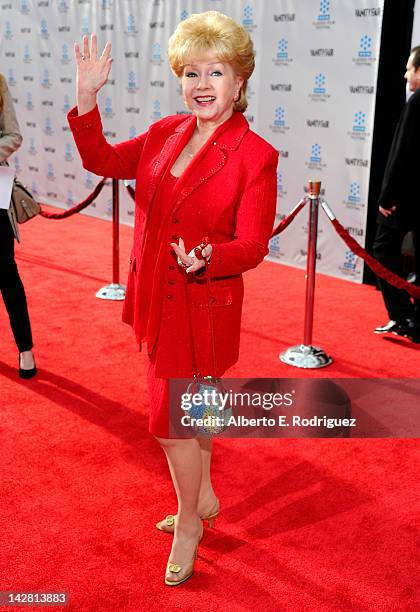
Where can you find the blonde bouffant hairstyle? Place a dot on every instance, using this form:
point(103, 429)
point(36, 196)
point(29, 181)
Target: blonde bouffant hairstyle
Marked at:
point(216, 32)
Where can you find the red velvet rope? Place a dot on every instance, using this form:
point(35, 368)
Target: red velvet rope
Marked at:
point(78, 207)
point(375, 266)
point(287, 220)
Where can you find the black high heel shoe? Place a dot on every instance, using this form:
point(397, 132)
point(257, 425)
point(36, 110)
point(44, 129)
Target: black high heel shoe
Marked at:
point(27, 373)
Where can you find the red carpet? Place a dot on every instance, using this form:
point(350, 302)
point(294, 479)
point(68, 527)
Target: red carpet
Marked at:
point(321, 525)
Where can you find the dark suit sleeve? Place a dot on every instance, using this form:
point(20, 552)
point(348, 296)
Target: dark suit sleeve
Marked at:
point(402, 156)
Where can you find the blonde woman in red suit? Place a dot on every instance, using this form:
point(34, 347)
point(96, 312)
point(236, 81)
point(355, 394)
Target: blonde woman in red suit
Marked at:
point(206, 174)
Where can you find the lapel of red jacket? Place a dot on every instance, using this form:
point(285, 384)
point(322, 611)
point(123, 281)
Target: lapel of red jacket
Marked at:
point(169, 153)
point(212, 157)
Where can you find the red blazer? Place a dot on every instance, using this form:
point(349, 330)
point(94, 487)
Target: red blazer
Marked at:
point(228, 193)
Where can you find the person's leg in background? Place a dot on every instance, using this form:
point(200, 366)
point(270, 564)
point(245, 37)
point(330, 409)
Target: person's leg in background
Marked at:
point(387, 250)
point(15, 299)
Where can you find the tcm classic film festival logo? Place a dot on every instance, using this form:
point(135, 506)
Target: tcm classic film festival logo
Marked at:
point(365, 55)
point(324, 20)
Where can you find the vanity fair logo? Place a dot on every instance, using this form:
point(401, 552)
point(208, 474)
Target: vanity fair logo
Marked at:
point(365, 55)
point(279, 125)
point(322, 52)
point(285, 17)
point(356, 232)
point(324, 19)
point(153, 25)
point(132, 109)
point(353, 199)
point(132, 54)
point(6, 7)
point(368, 12)
point(33, 168)
point(157, 83)
point(286, 87)
point(362, 89)
point(357, 162)
point(282, 57)
point(318, 123)
point(106, 27)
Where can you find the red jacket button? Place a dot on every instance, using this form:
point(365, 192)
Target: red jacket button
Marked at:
point(169, 296)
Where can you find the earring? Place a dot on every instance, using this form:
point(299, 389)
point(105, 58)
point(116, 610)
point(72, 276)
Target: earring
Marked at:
point(236, 98)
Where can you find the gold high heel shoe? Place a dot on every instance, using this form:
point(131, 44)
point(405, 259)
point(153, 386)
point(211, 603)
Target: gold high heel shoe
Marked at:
point(188, 569)
point(167, 524)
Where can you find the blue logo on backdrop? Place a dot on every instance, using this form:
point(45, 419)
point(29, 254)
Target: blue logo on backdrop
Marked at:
point(65, 57)
point(324, 10)
point(44, 29)
point(315, 157)
point(8, 32)
point(11, 77)
point(63, 6)
point(131, 25)
point(32, 148)
point(281, 57)
point(66, 104)
point(349, 261)
point(108, 110)
point(183, 15)
point(359, 122)
point(281, 193)
point(70, 198)
point(85, 25)
point(46, 81)
point(320, 84)
point(324, 18)
point(34, 188)
point(365, 49)
point(132, 132)
point(248, 16)
point(157, 114)
point(27, 55)
point(156, 52)
point(105, 4)
point(48, 129)
point(50, 172)
point(88, 180)
point(29, 103)
point(132, 82)
point(282, 52)
point(108, 209)
point(16, 163)
point(279, 117)
point(354, 193)
point(24, 7)
point(68, 153)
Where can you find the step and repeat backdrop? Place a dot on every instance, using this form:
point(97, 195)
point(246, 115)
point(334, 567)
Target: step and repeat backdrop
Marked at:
point(312, 96)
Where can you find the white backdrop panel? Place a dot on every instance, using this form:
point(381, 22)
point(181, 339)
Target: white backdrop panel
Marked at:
point(312, 96)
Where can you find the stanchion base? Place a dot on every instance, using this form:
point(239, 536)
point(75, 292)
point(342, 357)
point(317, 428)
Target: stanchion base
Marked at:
point(304, 356)
point(112, 292)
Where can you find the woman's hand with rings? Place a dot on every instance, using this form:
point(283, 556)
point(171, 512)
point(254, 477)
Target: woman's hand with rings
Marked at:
point(92, 73)
point(190, 262)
